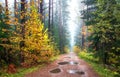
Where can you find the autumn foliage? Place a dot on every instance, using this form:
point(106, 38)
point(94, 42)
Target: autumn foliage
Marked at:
point(11, 68)
point(36, 46)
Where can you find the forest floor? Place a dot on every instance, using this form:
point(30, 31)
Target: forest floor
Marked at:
point(68, 65)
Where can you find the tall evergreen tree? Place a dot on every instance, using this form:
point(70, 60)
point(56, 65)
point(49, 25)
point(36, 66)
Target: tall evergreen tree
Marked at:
point(105, 30)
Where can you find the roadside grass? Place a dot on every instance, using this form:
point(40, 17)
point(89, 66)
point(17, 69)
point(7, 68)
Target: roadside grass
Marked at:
point(99, 68)
point(21, 72)
point(54, 58)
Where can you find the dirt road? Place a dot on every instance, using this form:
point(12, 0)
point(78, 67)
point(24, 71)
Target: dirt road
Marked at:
point(68, 65)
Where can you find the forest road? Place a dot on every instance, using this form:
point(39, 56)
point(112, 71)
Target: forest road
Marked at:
point(68, 65)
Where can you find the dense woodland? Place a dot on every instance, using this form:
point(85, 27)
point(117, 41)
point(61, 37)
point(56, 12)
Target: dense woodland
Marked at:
point(34, 32)
point(102, 19)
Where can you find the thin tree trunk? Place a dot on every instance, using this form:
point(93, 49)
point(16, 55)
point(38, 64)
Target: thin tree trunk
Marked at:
point(52, 18)
point(60, 27)
point(41, 10)
point(87, 28)
point(41, 7)
point(38, 5)
point(83, 36)
point(49, 23)
point(6, 8)
point(5, 42)
point(23, 19)
point(15, 6)
point(22, 44)
point(15, 10)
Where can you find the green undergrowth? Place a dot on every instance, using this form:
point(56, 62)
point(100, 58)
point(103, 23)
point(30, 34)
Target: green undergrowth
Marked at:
point(54, 58)
point(21, 72)
point(99, 68)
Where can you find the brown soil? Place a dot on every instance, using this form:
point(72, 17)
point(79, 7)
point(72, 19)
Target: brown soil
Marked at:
point(79, 69)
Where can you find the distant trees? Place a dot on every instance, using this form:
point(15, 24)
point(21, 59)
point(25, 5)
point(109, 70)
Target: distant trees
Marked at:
point(56, 26)
point(61, 15)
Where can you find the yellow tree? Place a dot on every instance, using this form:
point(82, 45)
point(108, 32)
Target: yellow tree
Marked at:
point(36, 39)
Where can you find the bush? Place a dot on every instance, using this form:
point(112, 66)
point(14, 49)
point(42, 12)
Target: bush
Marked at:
point(66, 49)
point(76, 49)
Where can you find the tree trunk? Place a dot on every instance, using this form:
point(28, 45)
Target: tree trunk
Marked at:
point(41, 7)
point(40, 4)
point(6, 10)
point(23, 19)
point(22, 44)
point(83, 36)
point(6, 5)
point(49, 23)
point(15, 10)
point(52, 18)
point(60, 28)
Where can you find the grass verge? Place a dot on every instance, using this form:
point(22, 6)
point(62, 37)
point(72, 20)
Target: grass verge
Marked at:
point(99, 68)
point(23, 71)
